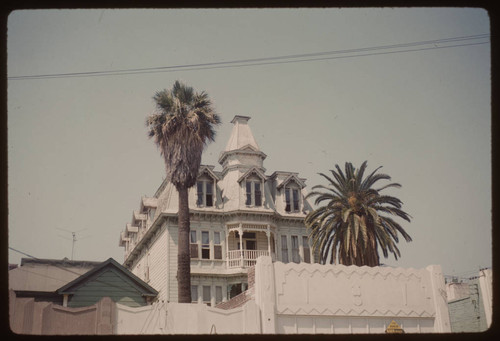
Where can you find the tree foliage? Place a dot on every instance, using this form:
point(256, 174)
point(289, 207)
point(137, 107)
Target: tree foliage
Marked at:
point(355, 218)
point(183, 123)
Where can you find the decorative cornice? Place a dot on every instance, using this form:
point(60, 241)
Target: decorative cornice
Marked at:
point(223, 156)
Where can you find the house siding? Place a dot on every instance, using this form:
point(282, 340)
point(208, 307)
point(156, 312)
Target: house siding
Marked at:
point(158, 267)
point(467, 314)
point(106, 284)
point(172, 236)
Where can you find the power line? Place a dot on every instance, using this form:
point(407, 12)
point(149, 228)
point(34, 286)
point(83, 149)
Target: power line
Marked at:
point(337, 54)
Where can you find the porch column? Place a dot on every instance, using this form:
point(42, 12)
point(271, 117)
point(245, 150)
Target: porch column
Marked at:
point(240, 231)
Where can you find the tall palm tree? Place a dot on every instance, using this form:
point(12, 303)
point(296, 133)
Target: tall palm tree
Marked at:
point(181, 126)
point(351, 226)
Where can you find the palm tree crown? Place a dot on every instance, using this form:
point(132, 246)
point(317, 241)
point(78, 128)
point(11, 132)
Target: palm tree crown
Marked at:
point(351, 225)
point(181, 126)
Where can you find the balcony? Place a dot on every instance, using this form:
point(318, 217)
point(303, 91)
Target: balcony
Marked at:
point(244, 258)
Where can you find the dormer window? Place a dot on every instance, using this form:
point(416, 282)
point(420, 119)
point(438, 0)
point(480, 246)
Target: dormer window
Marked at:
point(292, 199)
point(252, 187)
point(253, 193)
point(205, 193)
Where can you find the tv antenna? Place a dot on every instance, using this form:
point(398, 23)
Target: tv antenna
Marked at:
point(73, 239)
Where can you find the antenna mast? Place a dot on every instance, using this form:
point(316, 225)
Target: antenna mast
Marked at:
point(73, 240)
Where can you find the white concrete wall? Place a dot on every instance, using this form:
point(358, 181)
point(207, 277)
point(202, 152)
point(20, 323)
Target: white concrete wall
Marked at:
point(178, 318)
point(315, 298)
point(309, 299)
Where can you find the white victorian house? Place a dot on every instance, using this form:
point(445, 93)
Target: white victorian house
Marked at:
point(237, 214)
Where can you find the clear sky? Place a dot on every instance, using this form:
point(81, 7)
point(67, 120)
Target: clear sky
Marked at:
point(79, 158)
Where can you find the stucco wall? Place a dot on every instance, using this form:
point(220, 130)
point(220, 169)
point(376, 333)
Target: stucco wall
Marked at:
point(348, 299)
point(178, 318)
point(43, 318)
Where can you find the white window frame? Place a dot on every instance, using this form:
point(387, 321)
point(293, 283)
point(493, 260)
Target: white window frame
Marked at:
point(203, 298)
point(205, 184)
point(217, 244)
point(205, 246)
point(217, 288)
point(194, 289)
point(191, 233)
point(289, 190)
point(252, 183)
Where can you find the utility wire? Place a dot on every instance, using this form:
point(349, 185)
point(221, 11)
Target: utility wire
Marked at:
point(348, 53)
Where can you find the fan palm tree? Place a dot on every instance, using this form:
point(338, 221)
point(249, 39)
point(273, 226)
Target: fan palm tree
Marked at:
point(182, 124)
point(353, 224)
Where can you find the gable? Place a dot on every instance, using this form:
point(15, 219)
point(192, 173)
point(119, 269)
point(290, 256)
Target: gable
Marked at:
point(292, 179)
point(206, 172)
point(107, 283)
point(117, 277)
point(253, 172)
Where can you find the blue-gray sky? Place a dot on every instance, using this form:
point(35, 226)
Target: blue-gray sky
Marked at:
point(79, 157)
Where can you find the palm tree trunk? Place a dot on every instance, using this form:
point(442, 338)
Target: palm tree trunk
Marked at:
point(183, 256)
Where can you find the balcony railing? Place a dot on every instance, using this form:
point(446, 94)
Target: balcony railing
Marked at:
point(244, 258)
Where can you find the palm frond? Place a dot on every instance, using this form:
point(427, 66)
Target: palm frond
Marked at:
point(349, 227)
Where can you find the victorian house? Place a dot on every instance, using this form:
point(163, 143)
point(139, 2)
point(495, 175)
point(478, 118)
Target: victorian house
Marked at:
point(237, 214)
